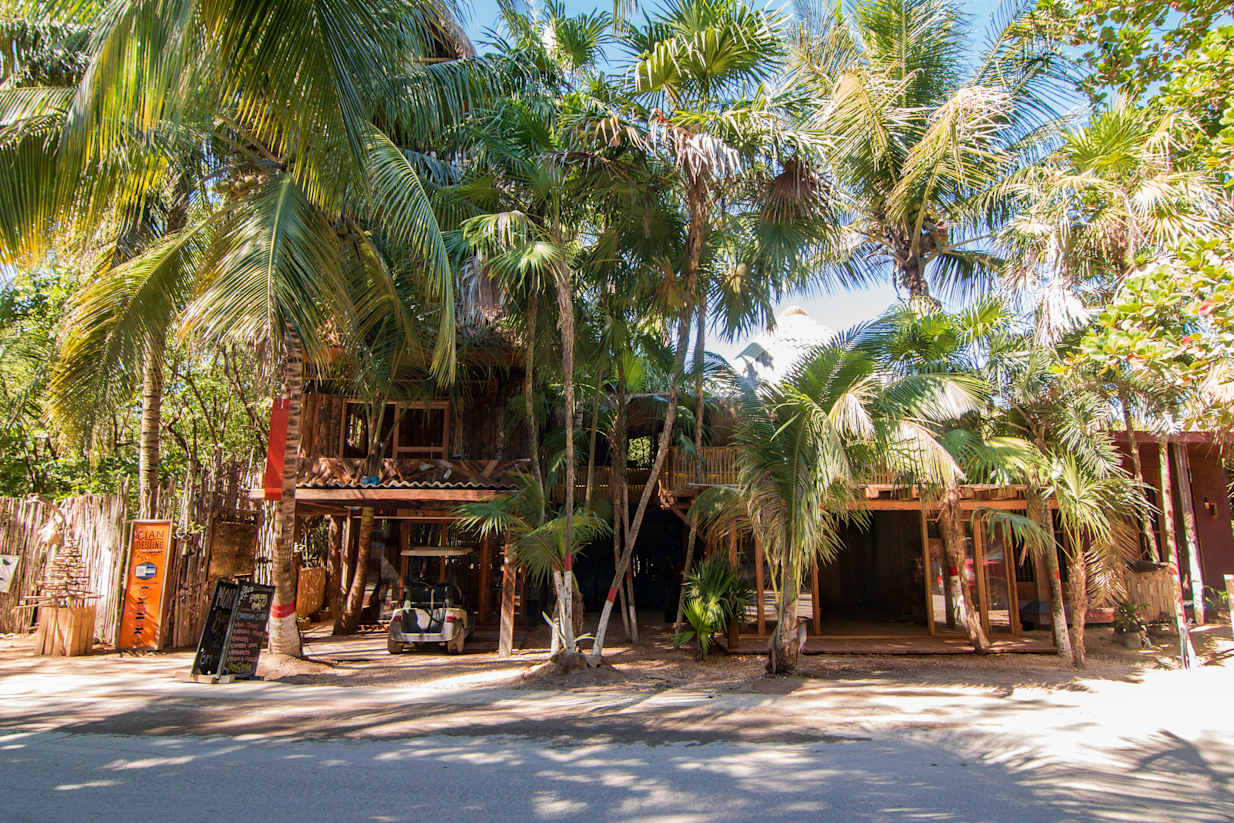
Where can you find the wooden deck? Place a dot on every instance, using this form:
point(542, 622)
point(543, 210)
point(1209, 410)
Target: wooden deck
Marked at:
point(901, 644)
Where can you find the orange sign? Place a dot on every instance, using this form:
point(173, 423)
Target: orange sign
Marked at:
point(149, 561)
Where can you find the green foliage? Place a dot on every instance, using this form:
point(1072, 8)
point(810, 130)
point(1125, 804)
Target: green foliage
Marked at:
point(1129, 617)
point(714, 597)
point(1170, 330)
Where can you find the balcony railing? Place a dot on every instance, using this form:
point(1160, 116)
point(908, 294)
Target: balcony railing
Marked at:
point(684, 476)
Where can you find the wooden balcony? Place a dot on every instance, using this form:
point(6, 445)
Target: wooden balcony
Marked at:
point(683, 477)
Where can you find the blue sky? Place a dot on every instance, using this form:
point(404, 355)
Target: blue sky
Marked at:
point(838, 309)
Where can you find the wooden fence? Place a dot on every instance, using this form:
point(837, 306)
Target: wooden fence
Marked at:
point(1153, 590)
point(97, 522)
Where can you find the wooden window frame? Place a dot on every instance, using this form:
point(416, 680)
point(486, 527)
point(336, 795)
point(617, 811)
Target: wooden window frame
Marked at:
point(404, 452)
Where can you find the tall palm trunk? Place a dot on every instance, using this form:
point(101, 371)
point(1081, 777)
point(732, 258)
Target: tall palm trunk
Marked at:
point(354, 606)
point(621, 499)
point(1039, 512)
point(784, 650)
point(698, 205)
point(1077, 582)
point(334, 568)
point(284, 634)
point(1137, 466)
point(700, 412)
point(151, 422)
point(565, 319)
point(529, 387)
point(1187, 503)
point(951, 527)
point(591, 444)
point(1186, 652)
point(910, 273)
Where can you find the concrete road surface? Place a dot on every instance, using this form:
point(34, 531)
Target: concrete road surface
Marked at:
point(124, 740)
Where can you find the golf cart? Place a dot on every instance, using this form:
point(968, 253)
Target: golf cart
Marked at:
point(430, 613)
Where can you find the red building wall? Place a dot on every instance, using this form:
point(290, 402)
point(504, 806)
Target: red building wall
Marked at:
point(1208, 483)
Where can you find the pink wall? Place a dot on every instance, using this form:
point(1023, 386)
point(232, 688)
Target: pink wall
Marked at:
point(1208, 480)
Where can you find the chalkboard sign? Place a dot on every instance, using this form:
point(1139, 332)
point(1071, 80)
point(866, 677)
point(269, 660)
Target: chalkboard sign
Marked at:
point(214, 632)
point(235, 630)
point(248, 630)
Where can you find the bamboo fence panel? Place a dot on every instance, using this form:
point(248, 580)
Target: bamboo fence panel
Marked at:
point(97, 523)
point(1153, 590)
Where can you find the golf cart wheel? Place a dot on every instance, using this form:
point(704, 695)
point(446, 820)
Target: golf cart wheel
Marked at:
point(394, 647)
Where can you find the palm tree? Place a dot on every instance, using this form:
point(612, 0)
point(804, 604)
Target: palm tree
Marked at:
point(300, 130)
point(921, 138)
point(805, 445)
point(722, 117)
point(542, 179)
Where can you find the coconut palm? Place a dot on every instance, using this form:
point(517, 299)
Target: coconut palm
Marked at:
point(804, 446)
point(1110, 199)
point(921, 136)
point(298, 109)
point(542, 180)
point(723, 118)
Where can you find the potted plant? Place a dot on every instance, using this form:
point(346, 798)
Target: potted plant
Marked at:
point(1130, 627)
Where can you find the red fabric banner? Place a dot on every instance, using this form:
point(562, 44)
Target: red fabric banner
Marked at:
point(276, 449)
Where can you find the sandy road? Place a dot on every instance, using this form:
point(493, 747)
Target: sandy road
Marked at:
point(107, 735)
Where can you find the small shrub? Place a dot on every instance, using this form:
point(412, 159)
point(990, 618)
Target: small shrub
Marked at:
point(1216, 599)
point(1129, 617)
point(715, 596)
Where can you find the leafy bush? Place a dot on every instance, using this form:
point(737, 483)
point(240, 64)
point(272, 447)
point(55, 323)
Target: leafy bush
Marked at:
point(1128, 617)
point(715, 596)
point(1216, 599)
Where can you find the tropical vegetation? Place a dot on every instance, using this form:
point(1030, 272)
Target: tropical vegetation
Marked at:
point(202, 204)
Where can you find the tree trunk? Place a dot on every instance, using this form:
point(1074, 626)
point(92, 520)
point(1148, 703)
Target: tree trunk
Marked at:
point(1078, 583)
point(334, 568)
point(700, 413)
point(529, 388)
point(1039, 512)
point(349, 574)
point(151, 421)
point(910, 275)
point(1138, 467)
point(591, 446)
point(951, 526)
point(1186, 652)
point(565, 320)
point(698, 207)
point(1193, 539)
point(284, 634)
point(355, 595)
point(784, 649)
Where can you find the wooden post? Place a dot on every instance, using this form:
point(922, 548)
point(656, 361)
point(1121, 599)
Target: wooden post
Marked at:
point(1229, 594)
point(1013, 589)
point(509, 580)
point(929, 570)
point(734, 628)
point(759, 590)
point(486, 558)
point(1194, 571)
point(983, 589)
point(818, 613)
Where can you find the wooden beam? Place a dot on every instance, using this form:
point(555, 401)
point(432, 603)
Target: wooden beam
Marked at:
point(759, 586)
point(734, 628)
point(983, 589)
point(888, 504)
point(929, 570)
point(818, 614)
point(509, 580)
point(486, 561)
point(377, 495)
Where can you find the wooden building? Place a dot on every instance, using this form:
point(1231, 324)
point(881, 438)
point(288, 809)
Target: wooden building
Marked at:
point(886, 590)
